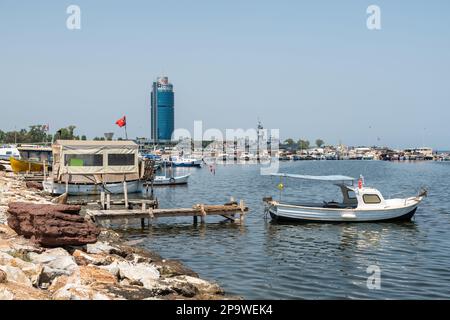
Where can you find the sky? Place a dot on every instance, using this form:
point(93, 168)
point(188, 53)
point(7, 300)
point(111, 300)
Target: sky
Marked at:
point(309, 68)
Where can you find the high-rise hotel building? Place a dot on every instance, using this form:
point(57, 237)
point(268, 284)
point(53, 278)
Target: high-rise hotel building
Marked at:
point(162, 110)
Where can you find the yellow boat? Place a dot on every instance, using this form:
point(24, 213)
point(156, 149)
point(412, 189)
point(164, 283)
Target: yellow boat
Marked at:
point(25, 165)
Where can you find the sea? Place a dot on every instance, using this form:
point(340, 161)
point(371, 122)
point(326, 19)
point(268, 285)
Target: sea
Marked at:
point(264, 259)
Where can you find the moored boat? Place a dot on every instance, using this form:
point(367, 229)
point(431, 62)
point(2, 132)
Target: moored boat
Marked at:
point(18, 165)
point(359, 204)
point(7, 152)
point(185, 162)
point(175, 180)
point(92, 167)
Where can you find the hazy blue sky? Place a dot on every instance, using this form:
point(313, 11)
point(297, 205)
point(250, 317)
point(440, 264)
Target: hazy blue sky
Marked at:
point(311, 69)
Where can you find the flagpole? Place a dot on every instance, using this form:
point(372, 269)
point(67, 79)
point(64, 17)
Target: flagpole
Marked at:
point(126, 135)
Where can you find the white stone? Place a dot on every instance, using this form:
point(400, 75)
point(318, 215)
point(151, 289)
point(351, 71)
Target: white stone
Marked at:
point(5, 294)
point(14, 274)
point(142, 272)
point(56, 262)
point(112, 268)
point(99, 247)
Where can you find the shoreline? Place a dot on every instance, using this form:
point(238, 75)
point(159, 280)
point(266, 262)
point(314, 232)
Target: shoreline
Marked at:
point(110, 269)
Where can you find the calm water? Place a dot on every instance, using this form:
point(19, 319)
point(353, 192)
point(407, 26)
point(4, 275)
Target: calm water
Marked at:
point(265, 260)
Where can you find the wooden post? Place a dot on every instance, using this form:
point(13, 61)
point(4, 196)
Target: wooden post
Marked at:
point(102, 199)
point(242, 207)
point(202, 218)
point(108, 201)
point(67, 184)
point(44, 167)
point(125, 193)
point(144, 208)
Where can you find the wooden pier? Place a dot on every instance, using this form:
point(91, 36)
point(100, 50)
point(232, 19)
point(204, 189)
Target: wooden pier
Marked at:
point(227, 211)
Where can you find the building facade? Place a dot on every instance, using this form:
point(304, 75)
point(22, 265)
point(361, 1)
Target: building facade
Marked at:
point(162, 110)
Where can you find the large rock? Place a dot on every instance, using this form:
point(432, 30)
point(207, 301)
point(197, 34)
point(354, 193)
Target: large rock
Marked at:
point(180, 283)
point(143, 273)
point(14, 274)
point(51, 225)
point(31, 270)
point(84, 259)
point(88, 283)
point(56, 262)
point(100, 247)
point(15, 291)
point(34, 185)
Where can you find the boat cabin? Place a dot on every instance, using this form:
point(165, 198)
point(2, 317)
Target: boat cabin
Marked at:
point(361, 198)
point(78, 161)
point(35, 153)
point(353, 197)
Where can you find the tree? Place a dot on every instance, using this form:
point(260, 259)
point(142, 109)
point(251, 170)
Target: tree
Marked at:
point(66, 134)
point(319, 143)
point(36, 134)
point(83, 137)
point(289, 142)
point(303, 144)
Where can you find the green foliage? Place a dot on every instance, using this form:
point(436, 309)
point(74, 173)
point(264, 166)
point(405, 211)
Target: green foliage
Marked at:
point(66, 134)
point(303, 144)
point(319, 143)
point(35, 134)
point(289, 142)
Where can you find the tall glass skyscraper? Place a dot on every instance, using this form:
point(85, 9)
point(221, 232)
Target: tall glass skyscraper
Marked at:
point(162, 109)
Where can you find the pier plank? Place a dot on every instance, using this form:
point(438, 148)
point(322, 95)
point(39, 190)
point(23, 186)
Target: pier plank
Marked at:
point(226, 211)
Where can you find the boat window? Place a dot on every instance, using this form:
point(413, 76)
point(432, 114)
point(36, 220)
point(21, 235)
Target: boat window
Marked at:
point(8, 152)
point(83, 160)
point(371, 199)
point(121, 159)
point(351, 194)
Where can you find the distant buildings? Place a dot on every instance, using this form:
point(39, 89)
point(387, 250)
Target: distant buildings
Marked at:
point(162, 110)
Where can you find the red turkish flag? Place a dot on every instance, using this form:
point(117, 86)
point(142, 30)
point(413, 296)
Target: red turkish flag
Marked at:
point(122, 122)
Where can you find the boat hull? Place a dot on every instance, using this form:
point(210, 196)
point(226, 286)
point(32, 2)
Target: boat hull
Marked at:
point(165, 181)
point(187, 164)
point(91, 189)
point(303, 214)
point(18, 165)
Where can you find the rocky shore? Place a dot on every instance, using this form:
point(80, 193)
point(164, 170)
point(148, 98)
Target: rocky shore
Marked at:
point(108, 269)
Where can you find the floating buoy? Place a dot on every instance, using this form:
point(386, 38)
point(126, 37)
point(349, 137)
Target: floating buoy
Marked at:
point(280, 186)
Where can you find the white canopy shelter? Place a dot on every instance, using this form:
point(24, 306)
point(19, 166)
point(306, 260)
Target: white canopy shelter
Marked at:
point(335, 179)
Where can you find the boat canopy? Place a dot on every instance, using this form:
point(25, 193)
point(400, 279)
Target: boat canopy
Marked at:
point(335, 179)
point(78, 157)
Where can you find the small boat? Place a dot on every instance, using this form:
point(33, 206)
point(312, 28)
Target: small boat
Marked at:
point(18, 165)
point(79, 189)
point(166, 181)
point(185, 162)
point(7, 152)
point(359, 204)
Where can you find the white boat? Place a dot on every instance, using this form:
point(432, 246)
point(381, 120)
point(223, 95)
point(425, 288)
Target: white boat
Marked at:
point(164, 180)
point(7, 152)
point(359, 204)
point(78, 189)
point(90, 167)
point(185, 162)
